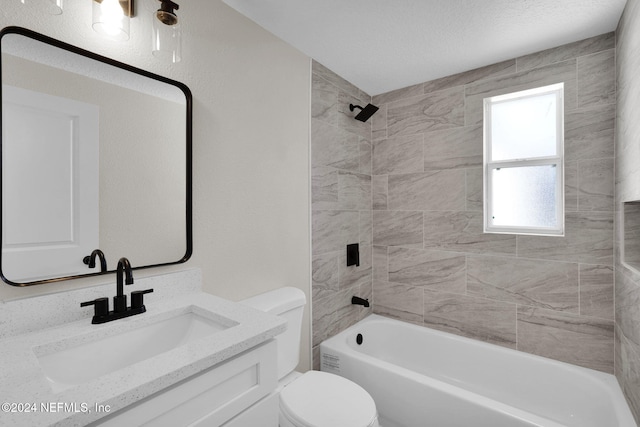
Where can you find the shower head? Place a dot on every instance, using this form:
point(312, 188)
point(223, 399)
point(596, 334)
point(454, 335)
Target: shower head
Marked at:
point(365, 112)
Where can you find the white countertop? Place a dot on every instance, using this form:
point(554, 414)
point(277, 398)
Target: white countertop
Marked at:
point(24, 387)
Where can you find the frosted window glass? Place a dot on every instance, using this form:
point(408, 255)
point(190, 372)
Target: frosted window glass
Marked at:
point(524, 197)
point(524, 128)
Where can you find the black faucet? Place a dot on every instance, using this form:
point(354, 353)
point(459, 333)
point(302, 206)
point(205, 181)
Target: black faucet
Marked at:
point(90, 260)
point(120, 300)
point(102, 314)
point(359, 301)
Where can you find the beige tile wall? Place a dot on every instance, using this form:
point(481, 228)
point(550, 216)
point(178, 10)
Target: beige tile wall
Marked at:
point(627, 287)
point(433, 265)
point(426, 259)
point(341, 204)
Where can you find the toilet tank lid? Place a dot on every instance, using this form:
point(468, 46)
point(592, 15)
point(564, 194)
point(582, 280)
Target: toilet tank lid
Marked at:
point(277, 301)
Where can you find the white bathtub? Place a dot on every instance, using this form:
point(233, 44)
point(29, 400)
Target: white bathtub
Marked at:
point(421, 377)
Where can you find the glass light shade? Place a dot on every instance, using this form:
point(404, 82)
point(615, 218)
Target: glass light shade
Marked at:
point(53, 7)
point(109, 19)
point(167, 41)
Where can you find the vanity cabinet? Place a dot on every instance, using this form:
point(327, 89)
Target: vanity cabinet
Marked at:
point(234, 393)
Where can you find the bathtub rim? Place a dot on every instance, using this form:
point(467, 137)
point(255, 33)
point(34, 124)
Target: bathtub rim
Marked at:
point(609, 382)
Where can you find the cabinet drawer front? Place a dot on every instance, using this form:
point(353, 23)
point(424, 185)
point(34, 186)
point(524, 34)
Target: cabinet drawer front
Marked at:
point(265, 413)
point(210, 398)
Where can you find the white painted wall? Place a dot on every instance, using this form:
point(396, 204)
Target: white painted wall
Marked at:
point(251, 149)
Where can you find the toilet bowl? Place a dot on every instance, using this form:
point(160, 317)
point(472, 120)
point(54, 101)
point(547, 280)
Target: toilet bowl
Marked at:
point(312, 399)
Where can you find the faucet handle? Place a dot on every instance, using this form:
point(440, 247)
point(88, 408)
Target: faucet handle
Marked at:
point(101, 306)
point(137, 298)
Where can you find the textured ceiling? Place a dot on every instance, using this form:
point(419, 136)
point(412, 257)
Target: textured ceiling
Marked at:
point(381, 45)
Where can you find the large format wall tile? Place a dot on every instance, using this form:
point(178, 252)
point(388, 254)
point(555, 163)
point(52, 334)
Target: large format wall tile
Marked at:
point(595, 185)
point(434, 191)
point(325, 274)
point(629, 230)
point(627, 305)
point(567, 51)
point(366, 227)
point(597, 79)
point(453, 148)
point(395, 95)
point(628, 371)
point(588, 239)
point(364, 291)
point(545, 284)
point(331, 146)
point(433, 111)
point(482, 319)
point(402, 301)
point(324, 188)
point(345, 117)
point(397, 228)
point(366, 157)
point(589, 133)
point(440, 271)
point(380, 264)
point(471, 76)
point(379, 123)
point(585, 341)
point(570, 186)
point(380, 185)
point(355, 275)
point(398, 155)
point(474, 190)
point(325, 100)
point(321, 71)
point(462, 232)
point(333, 230)
point(345, 314)
point(596, 291)
point(354, 191)
point(627, 150)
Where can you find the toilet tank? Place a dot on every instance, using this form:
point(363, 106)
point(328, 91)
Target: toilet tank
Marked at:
point(289, 303)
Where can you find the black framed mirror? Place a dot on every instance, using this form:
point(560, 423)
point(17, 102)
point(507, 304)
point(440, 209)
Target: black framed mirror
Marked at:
point(96, 154)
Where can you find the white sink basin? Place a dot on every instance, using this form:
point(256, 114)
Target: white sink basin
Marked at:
point(73, 363)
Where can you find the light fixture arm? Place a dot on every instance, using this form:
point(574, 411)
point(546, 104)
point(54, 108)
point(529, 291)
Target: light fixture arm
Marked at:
point(166, 14)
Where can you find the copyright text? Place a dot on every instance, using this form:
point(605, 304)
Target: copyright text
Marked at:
point(53, 407)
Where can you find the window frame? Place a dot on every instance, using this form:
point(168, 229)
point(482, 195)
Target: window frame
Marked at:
point(489, 165)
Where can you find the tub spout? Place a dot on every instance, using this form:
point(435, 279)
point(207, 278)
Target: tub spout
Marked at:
point(359, 301)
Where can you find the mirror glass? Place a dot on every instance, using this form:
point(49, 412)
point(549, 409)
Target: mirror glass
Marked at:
point(96, 154)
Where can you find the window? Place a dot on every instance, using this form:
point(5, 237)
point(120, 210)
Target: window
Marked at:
point(523, 162)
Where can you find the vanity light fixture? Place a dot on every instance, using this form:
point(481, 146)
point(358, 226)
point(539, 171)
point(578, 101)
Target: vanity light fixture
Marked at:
point(53, 7)
point(167, 34)
point(111, 18)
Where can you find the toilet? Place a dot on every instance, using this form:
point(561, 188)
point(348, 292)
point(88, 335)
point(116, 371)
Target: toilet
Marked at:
point(312, 399)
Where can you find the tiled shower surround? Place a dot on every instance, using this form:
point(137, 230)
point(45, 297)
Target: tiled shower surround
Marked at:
point(407, 186)
point(341, 204)
point(627, 294)
point(433, 265)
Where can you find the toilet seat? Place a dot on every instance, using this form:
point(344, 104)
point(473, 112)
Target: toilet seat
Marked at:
point(320, 399)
